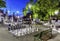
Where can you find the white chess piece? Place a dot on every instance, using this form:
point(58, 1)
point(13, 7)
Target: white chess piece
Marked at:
point(37, 29)
point(59, 30)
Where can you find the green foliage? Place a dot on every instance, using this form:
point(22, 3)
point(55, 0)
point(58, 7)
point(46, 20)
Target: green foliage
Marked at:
point(25, 10)
point(31, 0)
point(2, 3)
point(44, 8)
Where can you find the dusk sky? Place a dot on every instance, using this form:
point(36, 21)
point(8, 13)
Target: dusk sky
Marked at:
point(16, 5)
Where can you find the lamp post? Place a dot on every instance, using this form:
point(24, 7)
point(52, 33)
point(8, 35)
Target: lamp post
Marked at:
point(8, 11)
point(29, 9)
point(17, 12)
point(30, 6)
point(56, 13)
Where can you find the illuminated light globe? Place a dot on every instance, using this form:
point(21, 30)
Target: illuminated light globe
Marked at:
point(30, 16)
point(17, 11)
point(56, 12)
point(18, 16)
point(30, 5)
point(8, 11)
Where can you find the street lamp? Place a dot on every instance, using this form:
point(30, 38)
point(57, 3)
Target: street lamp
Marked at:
point(56, 12)
point(30, 6)
point(17, 11)
point(8, 11)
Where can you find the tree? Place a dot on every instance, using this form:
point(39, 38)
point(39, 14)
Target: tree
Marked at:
point(25, 10)
point(45, 8)
point(2, 3)
point(31, 0)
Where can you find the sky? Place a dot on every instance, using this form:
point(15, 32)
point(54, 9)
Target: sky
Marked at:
point(15, 6)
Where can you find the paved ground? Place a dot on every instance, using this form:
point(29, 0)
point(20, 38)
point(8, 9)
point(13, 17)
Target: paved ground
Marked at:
point(6, 36)
point(57, 38)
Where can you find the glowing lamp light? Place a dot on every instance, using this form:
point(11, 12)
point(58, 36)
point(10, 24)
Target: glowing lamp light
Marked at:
point(8, 11)
point(17, 11)
point(30, 5)
point(30, 16)
point(18, 17)
point(56, 12)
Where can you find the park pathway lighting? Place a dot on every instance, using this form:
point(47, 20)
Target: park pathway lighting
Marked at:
point(8, 11)
point(30, 6)
point(29, 11)
point(56, 12)
point(17, 12)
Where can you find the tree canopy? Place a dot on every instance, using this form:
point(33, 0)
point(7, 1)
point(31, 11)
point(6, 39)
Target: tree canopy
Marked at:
point(2, 3)
point(44, 8)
